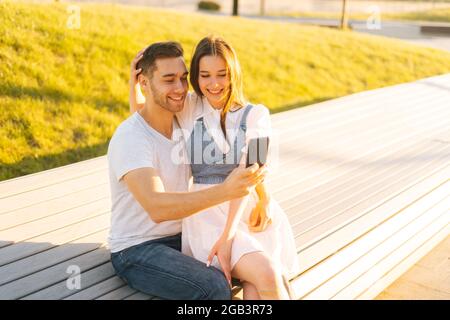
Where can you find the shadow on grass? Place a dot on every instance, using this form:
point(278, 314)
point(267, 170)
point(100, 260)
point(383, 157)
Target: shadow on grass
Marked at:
point(30, 165)
point(60, 96)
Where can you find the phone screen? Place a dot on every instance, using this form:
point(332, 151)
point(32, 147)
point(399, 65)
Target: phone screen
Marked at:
point(257, 151)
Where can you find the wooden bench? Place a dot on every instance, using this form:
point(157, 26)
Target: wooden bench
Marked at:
point(364, 180)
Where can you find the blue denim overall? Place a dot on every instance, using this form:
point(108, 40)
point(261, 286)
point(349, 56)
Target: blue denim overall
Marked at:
point(209, 165)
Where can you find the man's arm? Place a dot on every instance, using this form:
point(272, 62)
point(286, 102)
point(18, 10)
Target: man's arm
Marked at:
point(147, 188)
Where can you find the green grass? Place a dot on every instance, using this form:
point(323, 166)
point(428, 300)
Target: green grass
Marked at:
point(63, 92)
point(434, 15)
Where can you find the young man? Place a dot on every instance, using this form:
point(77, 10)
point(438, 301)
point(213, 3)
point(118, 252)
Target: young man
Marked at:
point(149, 184)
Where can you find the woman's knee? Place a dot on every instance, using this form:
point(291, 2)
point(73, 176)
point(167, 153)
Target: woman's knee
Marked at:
point(266, 275)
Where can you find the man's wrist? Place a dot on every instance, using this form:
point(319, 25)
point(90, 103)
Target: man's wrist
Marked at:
point(223, 192)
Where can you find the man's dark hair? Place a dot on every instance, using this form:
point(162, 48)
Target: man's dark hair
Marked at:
point(158, 50)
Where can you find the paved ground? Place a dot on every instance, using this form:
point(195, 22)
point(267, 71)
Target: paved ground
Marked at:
point(427, 279)
point(408, 31)
point(250, 8)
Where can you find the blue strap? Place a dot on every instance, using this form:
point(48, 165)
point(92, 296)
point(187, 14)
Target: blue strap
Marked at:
point(243, 124)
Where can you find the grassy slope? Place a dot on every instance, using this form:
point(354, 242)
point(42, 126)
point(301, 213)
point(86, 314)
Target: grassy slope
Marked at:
point(63, 92)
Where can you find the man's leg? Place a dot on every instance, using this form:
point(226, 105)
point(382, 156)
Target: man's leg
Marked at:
point(158, 268)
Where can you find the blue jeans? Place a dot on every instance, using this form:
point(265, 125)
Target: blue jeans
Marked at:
point(158, 268)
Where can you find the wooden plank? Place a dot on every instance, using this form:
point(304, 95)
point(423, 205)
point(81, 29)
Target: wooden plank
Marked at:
point(60, 289)
point(349, 210)
point(389, 244)
point(324, 271)
point(336, 180)
point(394, 273)
point(52, 275)
point(49, 224)
point(54, 206)
point(55, 238)
point(54, 191)
point(97, 290)
point(401, 92)
point(328, 244)
point(403, 122)
point(338, 207)
point(53, 176)
point(51, 257)
point(385, 114)
point(141, 296)
point(359, 286)
point(362, 102)
point(118, 294)
point(346, 152)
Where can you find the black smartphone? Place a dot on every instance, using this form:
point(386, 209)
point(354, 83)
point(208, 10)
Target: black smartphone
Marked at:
point(257, 151)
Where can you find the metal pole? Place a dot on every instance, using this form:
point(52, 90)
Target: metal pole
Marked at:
point(235, 7)
point(262, 6)
point(344, 18)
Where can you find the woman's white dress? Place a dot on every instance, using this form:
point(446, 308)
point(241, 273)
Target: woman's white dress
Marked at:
point(201, 231)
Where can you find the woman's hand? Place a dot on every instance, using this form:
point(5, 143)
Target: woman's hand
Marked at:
point(260, 217)
point(222, 249)
point(133, 71)
point(136, 98)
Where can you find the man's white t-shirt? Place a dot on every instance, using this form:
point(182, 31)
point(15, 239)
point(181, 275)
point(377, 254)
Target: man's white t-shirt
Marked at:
point(135, 144)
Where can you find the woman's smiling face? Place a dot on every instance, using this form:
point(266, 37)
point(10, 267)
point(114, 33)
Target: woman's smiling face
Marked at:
point(214, 80)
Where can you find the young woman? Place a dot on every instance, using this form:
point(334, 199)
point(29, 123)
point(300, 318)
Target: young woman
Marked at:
point(250, 236)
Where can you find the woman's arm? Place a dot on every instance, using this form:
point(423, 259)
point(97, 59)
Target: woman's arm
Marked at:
point(136, 100)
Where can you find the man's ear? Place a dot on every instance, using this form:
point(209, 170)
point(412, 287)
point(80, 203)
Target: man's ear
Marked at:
point(143, 80)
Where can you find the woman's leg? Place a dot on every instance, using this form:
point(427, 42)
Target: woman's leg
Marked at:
point(249, 291)
point(258, 269)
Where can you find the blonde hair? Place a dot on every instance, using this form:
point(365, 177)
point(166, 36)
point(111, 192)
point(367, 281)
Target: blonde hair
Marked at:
point(216, 46)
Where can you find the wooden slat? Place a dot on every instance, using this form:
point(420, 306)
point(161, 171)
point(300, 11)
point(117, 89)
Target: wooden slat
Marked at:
point(338, 208)
point(88, 278)
point(52, 275)
point(345, 150)
point(433, 86)
point(411, 229)
point(41, 195)
point(368, 218)
point(97, 290)
point(345, 106)
point(55, 206)
point(51, 257)
point(118, 294)
point(339, 179)
point(349, 254)
point(383, 267)
point(431, 272)
point(348, 211)
point(141, 296)
point(385, 114)
point(49, 224)
point(55, 238)
point(53, 176)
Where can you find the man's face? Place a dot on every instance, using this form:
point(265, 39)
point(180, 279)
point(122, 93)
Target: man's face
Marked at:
point(168, 86)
